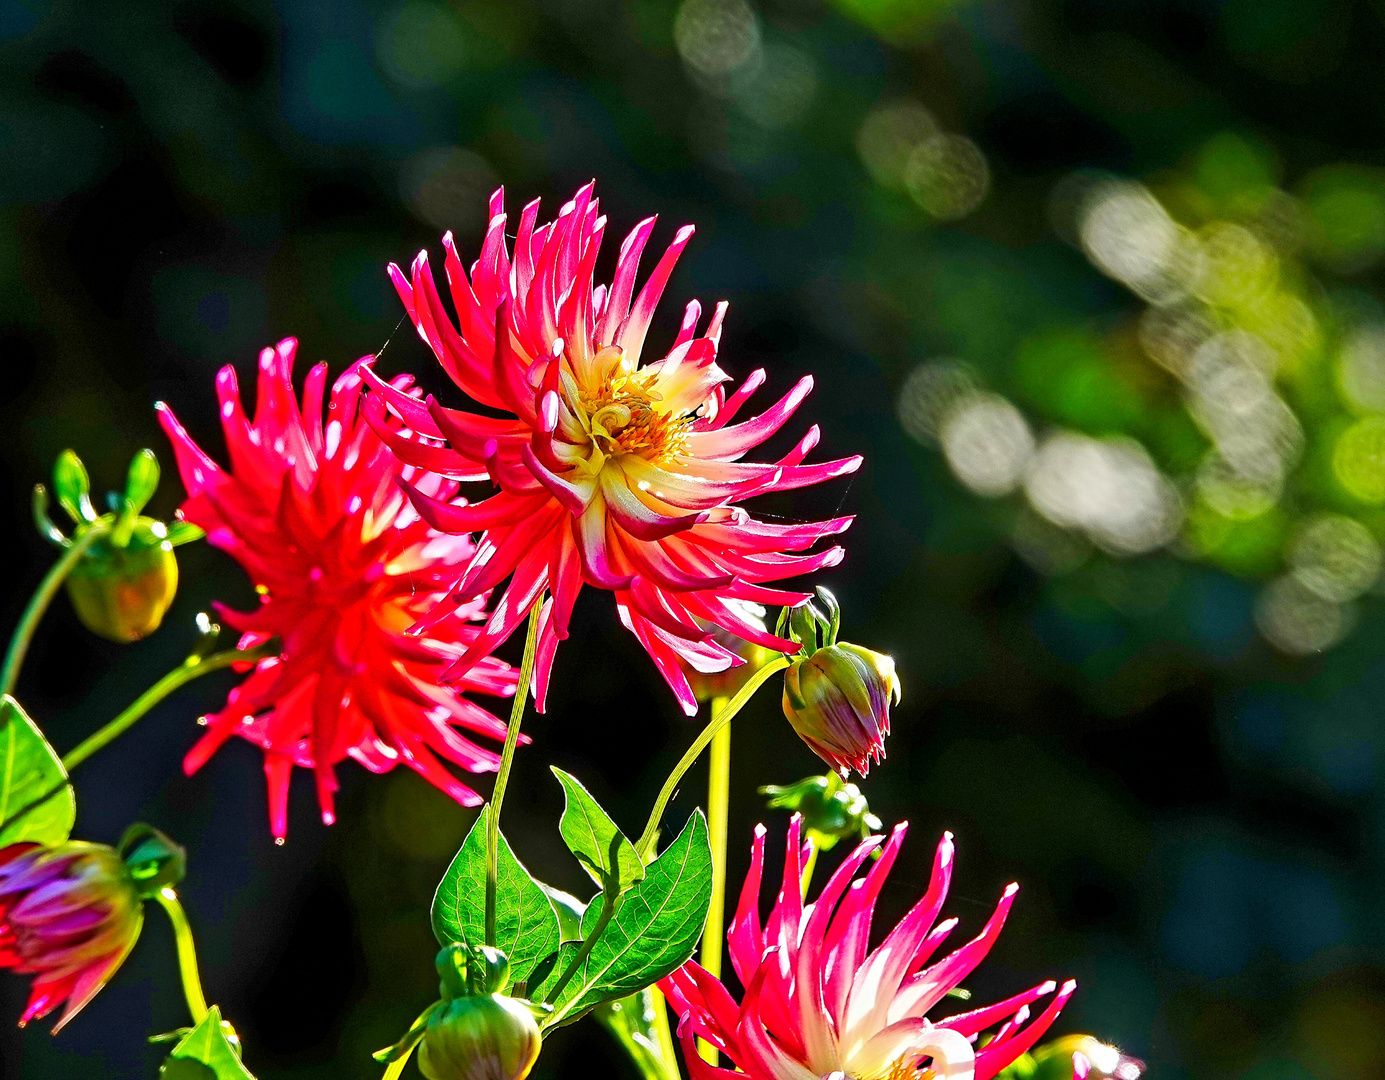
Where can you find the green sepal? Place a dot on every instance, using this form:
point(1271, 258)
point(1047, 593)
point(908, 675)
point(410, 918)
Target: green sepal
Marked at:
point(652, 933)
point(184, 532)
point(155, 862)
point(411, 1038)
point(526, 926)
point(141, 481)
point(209, 1046)
point(594, 838)
point(72, 487)
point(43, 522)
point(36, 801)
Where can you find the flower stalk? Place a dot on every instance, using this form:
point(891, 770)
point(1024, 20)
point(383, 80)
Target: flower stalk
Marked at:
point(507, 755)
point(43, 596)
point(187, 954)
point(645, 844)
point(718, 807)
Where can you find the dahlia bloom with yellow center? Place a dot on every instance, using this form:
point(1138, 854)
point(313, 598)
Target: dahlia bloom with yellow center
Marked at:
point(344, 568)
point(613, 470)
point(820, 1003)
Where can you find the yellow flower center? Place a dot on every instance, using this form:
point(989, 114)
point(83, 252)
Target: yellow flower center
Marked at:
point(622, 412)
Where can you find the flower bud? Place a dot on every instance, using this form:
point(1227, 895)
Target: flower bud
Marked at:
point(127, 579)
point(69, 915)
point(837, 696)
point(831, 808)
point(477, 1033)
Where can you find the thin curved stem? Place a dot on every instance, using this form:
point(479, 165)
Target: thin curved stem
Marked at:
point(608, 910)
point(43, 596)
point(187, 954)
point(502, 776)
point(645, 845)
point(191, 668)
point(718, 807)
point(662, 1032)
point(808, 864)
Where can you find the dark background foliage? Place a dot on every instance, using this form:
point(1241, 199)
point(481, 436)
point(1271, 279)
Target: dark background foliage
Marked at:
point(1198, 822)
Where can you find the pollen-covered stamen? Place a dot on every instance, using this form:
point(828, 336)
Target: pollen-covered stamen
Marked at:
point(623, 413)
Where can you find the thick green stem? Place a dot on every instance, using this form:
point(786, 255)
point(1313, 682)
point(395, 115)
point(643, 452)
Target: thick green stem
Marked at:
point(502, 776)
point(187, 954)
point(191, 668)
point(645, 845)
point(718, 806)
point(43, 596)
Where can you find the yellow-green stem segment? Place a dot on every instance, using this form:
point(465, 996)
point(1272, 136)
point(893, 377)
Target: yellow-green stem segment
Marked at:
point(43, 596)
point(191, 668)
point(645, 844)
point(187, 954)
point(718, 805)
point(502, 776)
point(395, 1069)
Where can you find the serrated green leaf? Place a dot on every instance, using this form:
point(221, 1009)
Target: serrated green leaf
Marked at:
point(29, 770)
point(141, 481)
point(653, 932)
point(590, 834)
point(526, 926)
point(206, 1045)
point(72, 487)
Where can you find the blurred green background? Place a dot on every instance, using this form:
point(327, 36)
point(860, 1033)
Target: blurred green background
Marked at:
point(1094, 286)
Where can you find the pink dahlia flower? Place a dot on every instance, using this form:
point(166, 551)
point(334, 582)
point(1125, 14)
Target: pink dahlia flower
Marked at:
point(819, 1003)
point(614, 470)
point(69, 915)
point(344, 567)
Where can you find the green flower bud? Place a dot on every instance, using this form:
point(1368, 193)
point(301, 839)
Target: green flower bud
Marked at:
point(127, 578)
point(831, 808)
point(482, 1037)
point(1053, 1060)
point(122, 593)
point(837, 696)
point(155, 862)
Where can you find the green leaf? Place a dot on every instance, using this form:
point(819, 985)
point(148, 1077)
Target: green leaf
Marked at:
point(72, 487)
point(652, 933)
point(590, 834)
point(29, 770)
point(205, 1054)
point(141, 481)
point(526, 926)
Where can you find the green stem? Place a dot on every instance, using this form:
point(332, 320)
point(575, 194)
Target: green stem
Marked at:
point(395, 1069)
point(718, 805)
point(662, 1031)
point(608, 910)
point(187, 954)
point(191, 668)
point(502, 776)
point(43, 596)
point(645, 845)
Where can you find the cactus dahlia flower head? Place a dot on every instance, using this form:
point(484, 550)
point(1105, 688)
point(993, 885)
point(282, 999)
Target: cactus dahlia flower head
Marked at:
point(615, 468)
point(69, 915)
point(344, 567)
point(819, 1003)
